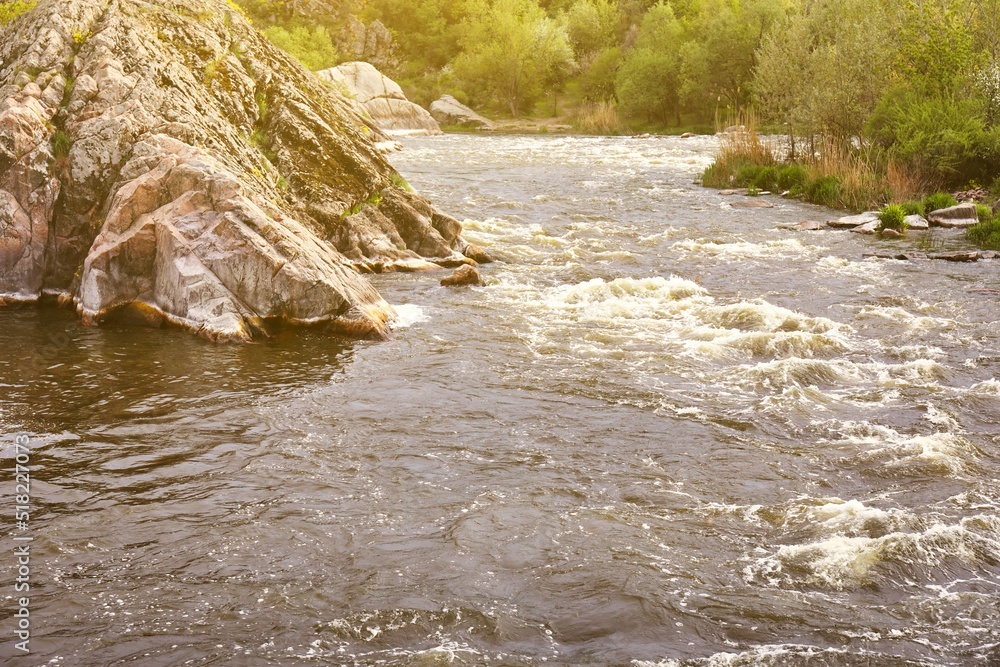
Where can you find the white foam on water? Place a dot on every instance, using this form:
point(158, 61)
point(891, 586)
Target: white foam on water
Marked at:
point(870, 270)
point(913, 323)
point(841, 562)
point(745, 249)
point(409, 314)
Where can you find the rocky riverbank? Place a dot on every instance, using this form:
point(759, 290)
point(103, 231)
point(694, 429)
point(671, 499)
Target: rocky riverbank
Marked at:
point(165, 161)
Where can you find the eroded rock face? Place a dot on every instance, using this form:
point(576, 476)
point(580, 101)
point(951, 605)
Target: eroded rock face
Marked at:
point(381, 98)
point(163, 157)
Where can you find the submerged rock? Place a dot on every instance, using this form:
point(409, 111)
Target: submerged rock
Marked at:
point(962, 215)
point(169, 160)
point(463, 275)
point(449, 111)
point(753, 203)
point(375, 94)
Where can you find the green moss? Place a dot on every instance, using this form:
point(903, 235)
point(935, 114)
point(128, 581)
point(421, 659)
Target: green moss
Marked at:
point(401, 182)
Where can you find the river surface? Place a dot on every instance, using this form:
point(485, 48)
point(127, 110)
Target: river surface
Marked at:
point(664, 433)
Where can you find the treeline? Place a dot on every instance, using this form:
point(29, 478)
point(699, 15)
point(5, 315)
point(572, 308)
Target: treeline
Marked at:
point(919, 77)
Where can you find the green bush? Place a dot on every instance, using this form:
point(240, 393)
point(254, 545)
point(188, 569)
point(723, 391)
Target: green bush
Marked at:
point(11, 10)
point(767, 179)
point(824, 191)
point(747, 175)
point(937, 201)
point(312, 47)
point(892, 217)
point(914, 208)
point(985, 234)
point(792, 177)
point(985, 213)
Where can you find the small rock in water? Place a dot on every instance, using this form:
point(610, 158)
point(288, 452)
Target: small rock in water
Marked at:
point(963, 215)
point(885, 255)
point(916, 222)
point(687, 135)
point(464, 275)
point(753, 203)
point(971, 256)
point(853, 220)
point(989, 254)
point(472, 251)
point(727, 192)
point(889, 234)
point(866, 228)
point(804, 226)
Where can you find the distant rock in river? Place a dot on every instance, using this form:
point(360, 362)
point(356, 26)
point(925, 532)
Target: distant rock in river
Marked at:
point(449, 111)
point(381, 98)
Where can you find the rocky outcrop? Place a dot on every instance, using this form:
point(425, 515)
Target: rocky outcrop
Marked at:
point(165, 159)
point(381, 98)
point(449, 111)
point(963, 215)
point(371, 43)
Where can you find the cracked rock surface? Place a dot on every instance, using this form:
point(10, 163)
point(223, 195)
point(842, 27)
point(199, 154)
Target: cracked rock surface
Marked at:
point(163, 158)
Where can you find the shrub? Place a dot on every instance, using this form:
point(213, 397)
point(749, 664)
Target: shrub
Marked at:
point(312, 47)
point(892, 217)
point(11, 10)
point(985, 213)
point(913, 208)
point(937, 201)
point(792, 177)
point(985, 234)
point(767, 179)
point(824, 191)
point(747, 175)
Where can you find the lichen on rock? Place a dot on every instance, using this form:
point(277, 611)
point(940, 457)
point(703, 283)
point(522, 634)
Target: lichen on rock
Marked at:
point(164, 157)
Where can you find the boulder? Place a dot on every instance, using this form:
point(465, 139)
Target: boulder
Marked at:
point(478, 254)
point(890, 234)
point(850, 221)
point(193, 174)
point(804, 226)
point(463, 275)
point(869, 227)
point(688, 135)
point(962, 215)
point(916, 222)
point(449, 111)
point(372, 93)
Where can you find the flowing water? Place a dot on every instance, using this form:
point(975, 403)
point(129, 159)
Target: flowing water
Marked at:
point(664, 433)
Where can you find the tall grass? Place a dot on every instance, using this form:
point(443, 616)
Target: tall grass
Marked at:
point(599, 118)
point(835, 174)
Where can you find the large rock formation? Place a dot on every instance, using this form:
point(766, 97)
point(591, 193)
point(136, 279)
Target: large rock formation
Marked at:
point(163, 158)
point(381, 98)
point(449, 111)
point(371, 43)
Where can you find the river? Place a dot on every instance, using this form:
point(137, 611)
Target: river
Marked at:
point(665, 433)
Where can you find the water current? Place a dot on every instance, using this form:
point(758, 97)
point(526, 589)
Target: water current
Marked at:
point(666, 432)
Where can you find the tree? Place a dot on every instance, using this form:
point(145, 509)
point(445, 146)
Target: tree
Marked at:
point(512, 50)
point(648, 81)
